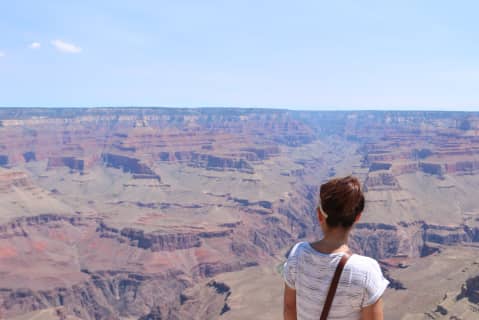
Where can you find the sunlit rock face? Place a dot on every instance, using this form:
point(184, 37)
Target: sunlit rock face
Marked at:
point(134, 212)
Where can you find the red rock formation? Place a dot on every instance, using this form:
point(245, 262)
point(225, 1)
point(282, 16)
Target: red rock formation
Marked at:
point(105, 261)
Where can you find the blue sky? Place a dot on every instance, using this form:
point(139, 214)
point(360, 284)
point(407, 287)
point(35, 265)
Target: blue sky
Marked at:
point(292, 54)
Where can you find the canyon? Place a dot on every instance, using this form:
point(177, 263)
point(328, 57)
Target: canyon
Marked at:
point(159, 213)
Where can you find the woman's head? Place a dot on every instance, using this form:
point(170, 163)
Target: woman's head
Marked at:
point(341, 201)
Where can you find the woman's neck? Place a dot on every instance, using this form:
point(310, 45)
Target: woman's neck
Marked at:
point(334, 241)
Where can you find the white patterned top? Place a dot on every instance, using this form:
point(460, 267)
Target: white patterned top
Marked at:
point(310, 273)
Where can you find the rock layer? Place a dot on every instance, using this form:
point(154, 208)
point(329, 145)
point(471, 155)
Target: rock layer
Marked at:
point(124, 210)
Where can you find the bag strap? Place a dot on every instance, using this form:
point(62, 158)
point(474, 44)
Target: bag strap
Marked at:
point(334, 285)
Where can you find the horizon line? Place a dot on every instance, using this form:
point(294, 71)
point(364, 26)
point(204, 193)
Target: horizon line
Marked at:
point(275, 108)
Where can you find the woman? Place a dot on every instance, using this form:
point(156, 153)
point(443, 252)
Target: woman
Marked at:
point(310, 267)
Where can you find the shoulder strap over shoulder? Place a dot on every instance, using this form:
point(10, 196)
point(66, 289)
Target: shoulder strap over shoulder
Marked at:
point(333, 286)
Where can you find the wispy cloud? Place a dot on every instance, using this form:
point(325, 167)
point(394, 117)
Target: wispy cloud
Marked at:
point(65, 47)
point(35, 45)
point(2, 54)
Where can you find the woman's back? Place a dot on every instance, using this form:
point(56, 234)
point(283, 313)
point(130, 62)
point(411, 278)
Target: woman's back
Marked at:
point(310, 272)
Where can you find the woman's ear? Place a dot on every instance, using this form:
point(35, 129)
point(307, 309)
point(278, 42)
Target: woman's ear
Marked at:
point(358, 217)
point(320, 215)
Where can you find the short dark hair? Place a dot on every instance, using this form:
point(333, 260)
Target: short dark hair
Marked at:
point(342, 200)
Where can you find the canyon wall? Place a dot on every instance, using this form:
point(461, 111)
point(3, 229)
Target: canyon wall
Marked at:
point(132, 212)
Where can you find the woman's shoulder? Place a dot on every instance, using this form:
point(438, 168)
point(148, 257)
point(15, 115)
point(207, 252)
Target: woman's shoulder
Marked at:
point(364, 263)
point(367, 273)
point(297, 248)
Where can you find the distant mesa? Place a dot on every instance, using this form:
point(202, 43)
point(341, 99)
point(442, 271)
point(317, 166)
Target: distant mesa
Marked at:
point(75, 165)
point(130, 165)
point(212, 162)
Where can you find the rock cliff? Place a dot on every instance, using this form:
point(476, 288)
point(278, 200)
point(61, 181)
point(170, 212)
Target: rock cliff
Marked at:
point(132, 212)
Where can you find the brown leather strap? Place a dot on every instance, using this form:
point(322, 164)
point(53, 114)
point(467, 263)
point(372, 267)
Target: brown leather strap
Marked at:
point(333, 286)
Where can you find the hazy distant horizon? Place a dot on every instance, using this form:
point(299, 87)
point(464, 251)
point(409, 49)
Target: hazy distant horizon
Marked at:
point(440, 109)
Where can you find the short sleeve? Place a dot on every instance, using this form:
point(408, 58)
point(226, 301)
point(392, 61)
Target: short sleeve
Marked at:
point(375, 285)
point(290, 267)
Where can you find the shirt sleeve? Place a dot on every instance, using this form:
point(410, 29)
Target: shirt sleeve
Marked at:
point(290, 267)
point(376, 284)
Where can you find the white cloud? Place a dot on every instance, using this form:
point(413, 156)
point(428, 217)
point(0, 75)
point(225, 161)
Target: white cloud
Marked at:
point(35, 45)
point(66, 47)
point(2, 54)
